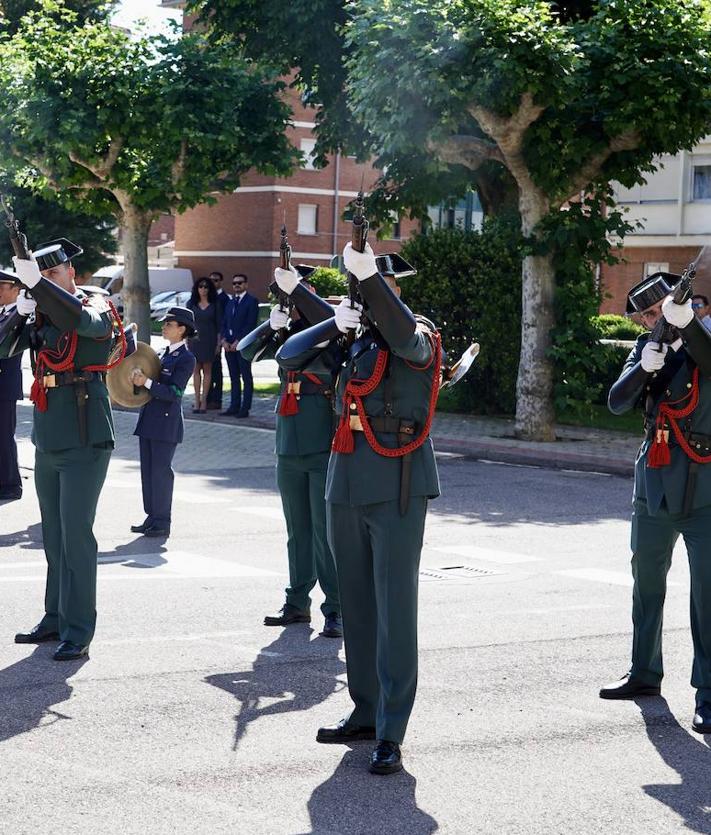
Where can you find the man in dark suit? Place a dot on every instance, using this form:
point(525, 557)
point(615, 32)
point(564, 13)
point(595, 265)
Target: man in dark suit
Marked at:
point(240, 319)
point(10, 393)
point(160, 423)
point(214, 397)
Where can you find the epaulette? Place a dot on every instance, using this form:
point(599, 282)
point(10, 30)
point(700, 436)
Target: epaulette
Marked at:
point(425, 324)
point(98, 302)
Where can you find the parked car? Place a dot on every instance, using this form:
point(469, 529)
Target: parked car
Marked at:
point(92, 290)
point(168, 298)
point(160, 279)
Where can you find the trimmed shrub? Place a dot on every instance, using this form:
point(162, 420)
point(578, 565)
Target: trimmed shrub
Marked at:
point(469, 285)
point(611, 326)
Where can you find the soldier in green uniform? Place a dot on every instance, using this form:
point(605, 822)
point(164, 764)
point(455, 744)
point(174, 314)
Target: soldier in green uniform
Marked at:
point(70, 337)
point(381, 474)
point(304, 429)
point(672, 486)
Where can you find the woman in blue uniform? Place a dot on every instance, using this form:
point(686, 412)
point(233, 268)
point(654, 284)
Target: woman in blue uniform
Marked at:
point(160, 422)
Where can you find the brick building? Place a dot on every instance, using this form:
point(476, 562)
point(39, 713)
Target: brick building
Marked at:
point(240, 232)
point(674, 210)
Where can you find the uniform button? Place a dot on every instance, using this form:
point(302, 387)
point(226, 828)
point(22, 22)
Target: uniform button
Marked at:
point(668, 392)
point(688, 385)
point(166, 414)
point(353, 406)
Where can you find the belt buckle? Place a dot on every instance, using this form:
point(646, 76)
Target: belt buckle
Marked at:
point(293, 388)
point(356, 423)
point(49, 381)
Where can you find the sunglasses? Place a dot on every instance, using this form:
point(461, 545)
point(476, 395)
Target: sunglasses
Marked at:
point(203, 286)
point(237, 283)
point(698, 305)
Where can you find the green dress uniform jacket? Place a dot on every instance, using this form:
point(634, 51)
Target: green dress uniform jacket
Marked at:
point(666, 503)
point(303, 443)
point(377, 541)
point(70, 471)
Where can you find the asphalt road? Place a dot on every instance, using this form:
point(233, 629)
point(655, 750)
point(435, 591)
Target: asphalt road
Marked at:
point(193, 717)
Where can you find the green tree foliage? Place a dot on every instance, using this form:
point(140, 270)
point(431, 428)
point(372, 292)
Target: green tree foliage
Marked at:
point(136, 127)
point(44, 220)
point(12, 11)
point(469, 285)
point(565, 102)
point(327, 281)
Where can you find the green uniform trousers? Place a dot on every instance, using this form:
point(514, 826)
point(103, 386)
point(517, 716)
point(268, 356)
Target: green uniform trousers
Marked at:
point(653, 539)
point(377, 555)
point(68, 486)
point(302, 484)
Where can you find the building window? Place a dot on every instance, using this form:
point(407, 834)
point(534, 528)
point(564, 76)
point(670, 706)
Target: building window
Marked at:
point(701, 183)
point(395, 226)
point(652, 267)
point(307, 219)
point(307, 149)
point(464, 214)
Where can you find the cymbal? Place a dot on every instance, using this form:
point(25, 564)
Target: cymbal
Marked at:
point(118, 380)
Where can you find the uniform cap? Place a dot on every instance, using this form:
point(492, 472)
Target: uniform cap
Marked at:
point(53, 253)
point(650, 290)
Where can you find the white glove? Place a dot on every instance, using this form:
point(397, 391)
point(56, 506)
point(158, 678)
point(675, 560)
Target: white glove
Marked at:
point(361, 264)
point(679, 315)
point(652, 359)
point(278, 318)
point(347, 317)
point(27, 271)
point(287, 280)
point(25, 305)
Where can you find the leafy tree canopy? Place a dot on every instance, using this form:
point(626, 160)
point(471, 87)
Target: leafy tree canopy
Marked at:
point(12, 11)
point(44, 219)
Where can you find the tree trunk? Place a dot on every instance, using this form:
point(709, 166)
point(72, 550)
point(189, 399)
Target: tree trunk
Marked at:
point(535, 417)
point(135, 227)
point(497, 190)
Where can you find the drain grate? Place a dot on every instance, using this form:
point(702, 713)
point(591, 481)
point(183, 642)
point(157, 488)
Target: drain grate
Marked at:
point(460, 573)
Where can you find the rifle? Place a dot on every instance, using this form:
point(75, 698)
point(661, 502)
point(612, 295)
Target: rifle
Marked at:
point(18, 239)
point(663, 332)
point(359, 236)
point(284, 263)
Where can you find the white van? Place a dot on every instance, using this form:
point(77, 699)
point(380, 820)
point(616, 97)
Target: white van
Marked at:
point(160, 279)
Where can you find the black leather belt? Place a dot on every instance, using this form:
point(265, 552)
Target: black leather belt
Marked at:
point(70, 378)
point(307, 387)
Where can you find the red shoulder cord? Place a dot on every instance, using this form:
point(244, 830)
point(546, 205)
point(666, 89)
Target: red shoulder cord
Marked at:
point(289, 402)
point(356, 390)
point(62, 359)
point(659, 454)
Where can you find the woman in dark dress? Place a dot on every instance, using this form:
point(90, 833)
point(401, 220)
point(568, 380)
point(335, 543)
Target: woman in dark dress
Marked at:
point(203, 303)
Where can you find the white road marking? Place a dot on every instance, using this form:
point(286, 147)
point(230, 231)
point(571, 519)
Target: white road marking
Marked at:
point(600, 575)
point(486, 554)
point(509, 464)
point(264, 511)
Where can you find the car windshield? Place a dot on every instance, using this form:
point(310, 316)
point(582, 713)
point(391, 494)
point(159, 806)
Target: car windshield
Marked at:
point(161, 297)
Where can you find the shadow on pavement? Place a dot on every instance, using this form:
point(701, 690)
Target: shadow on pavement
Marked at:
point(689, 756)
point(131, 550)
point(29, 539)
point(353, 801)
point(29, 689)
point(291, 673)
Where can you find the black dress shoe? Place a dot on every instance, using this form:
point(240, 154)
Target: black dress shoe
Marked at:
point(38, 635)
point(140, 528)
point(344, 731)
point(333, 627)
point(67, 651)
point(229, 412)
point(288, 614)
point(702, 718)
point(156, 530)
point(386, 758)
point(629, 687)
point(242, 414)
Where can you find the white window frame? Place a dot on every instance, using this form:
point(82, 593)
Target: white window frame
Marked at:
point(651, 267)
point(306, 146)
point(305, 211)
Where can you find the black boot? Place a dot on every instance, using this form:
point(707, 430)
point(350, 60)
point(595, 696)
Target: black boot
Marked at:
point(386, 758)
point(288, 614)
point(629, 687)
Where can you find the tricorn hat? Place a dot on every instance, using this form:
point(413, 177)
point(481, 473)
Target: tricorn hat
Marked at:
point(183, 316)
point(7, 277)
point(650, 290)
point(304, 270)
point(56, 252)
point(394, 265)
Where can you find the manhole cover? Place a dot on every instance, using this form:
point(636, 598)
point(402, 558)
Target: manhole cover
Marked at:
point(457, 572)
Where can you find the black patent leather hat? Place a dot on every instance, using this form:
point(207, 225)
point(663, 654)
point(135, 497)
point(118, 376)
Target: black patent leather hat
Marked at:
point(650, 290)
point(53, 253)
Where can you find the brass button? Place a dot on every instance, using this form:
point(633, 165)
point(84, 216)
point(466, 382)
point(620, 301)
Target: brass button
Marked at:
point(688, 385)
point(353, 406)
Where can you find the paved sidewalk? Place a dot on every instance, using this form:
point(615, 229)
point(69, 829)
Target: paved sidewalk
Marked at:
point(493, 439)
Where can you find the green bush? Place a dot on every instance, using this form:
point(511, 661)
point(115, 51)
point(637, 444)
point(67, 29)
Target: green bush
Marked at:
point(329, 282)
point(611, 326)
point(469, 284)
